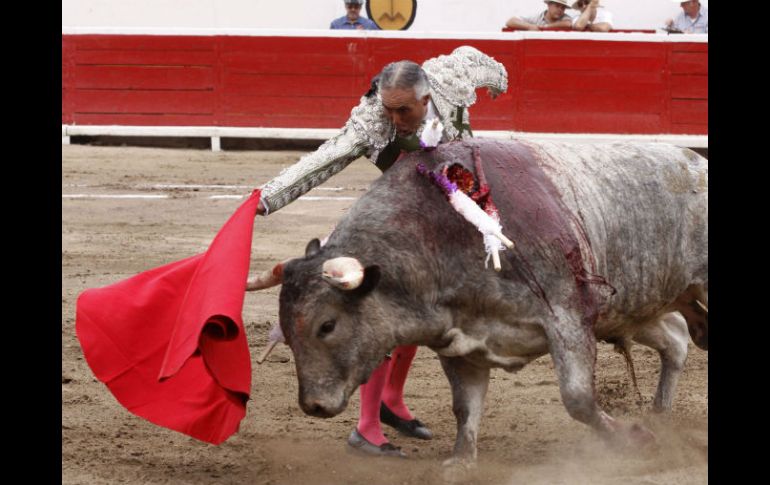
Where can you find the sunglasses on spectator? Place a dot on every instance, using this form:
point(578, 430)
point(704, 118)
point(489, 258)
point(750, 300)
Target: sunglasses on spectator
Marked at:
point(353, 5)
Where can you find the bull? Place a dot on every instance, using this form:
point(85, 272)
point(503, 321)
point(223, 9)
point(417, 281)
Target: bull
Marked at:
point(611, 243)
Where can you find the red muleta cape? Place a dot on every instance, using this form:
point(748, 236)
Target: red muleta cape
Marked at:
point(169, 343)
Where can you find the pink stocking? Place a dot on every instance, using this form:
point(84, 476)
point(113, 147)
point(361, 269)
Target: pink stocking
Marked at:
point(393, 394)
point(369, 413)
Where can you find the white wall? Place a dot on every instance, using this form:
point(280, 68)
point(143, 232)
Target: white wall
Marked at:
point(432, 15)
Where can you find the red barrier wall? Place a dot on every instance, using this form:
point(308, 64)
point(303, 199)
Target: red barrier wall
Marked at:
point(555, 85)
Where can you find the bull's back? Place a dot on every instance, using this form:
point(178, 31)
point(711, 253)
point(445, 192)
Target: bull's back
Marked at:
point(643, 208)
point(594, 217)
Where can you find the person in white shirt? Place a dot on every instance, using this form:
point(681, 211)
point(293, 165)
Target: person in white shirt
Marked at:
point(693, 19)
point(593, 17)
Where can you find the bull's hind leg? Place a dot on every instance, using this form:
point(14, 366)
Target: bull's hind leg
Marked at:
point(573, 349)
point(668, 335)
point(693, 305)
point(469, 387)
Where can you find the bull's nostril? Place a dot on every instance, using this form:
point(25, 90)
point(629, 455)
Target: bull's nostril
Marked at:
point(316, 409)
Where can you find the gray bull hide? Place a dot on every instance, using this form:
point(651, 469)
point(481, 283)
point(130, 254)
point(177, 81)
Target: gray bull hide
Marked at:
point(611, 239)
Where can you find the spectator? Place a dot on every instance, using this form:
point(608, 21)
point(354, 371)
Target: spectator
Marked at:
point(552, 17)
point(693, 19)
point(353, 19)
point(593, 16)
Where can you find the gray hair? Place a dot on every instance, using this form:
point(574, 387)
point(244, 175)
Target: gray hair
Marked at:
point(405, 75)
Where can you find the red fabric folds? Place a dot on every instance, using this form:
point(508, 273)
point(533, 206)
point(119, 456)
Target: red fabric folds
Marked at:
point(169, 343)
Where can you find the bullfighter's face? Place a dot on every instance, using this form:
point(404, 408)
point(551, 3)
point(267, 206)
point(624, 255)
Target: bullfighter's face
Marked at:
point(405, 109)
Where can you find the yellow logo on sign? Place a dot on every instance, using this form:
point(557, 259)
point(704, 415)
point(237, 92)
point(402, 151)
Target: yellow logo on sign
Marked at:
point(392, 14)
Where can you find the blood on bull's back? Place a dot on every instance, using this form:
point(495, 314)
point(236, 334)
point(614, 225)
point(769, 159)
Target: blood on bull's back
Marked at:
point(636, 214)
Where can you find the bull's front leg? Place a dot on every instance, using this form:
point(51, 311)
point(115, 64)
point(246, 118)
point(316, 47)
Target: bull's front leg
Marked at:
point(469, 387)
point(573, 349)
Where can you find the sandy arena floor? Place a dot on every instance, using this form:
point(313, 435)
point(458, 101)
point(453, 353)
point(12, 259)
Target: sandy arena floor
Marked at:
point(526, 435)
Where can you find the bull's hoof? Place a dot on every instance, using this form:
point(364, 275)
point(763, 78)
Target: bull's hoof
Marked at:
point(359, 443)
point(661, 410)
point(634, 437)
point(458, 469)
point(459, 462)
point(640, 436)
point(414, 428)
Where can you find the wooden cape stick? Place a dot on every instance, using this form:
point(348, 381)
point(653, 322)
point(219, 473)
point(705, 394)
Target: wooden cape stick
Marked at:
point(270, 346)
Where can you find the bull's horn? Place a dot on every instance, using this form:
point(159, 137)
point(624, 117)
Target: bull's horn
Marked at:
point(267, 278)
point(343, 272)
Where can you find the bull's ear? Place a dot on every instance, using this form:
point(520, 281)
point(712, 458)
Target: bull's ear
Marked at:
point(371, 279)
point(312, 248)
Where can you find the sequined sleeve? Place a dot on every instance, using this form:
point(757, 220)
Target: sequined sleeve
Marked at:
point(457, 76)
point(367, 132)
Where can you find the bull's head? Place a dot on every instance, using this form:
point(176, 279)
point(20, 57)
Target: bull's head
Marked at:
point(332, 322)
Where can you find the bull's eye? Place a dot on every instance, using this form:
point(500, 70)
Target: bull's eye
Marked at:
point(326, 328)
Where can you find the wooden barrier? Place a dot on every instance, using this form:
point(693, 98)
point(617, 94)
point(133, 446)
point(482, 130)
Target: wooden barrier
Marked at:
point(565, 84)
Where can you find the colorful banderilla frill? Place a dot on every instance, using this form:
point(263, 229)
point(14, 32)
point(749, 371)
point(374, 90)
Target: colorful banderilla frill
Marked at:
point(488, 223)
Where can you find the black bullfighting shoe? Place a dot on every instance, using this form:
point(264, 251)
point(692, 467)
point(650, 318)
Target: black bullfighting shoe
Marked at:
point(359, 443)
point(413, 428)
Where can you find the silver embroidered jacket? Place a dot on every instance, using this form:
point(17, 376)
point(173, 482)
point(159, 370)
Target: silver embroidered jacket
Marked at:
point(453, 82)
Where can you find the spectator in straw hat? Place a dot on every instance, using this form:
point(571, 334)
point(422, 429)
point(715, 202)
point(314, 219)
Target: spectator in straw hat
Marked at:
point(353, 20)
point(693, 19)
point(552, 17)
point(593, 17)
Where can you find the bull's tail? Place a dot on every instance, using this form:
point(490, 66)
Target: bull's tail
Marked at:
point(623, 347)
